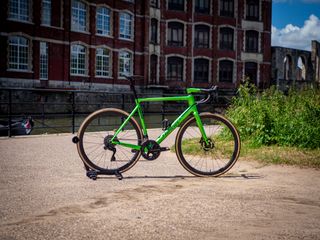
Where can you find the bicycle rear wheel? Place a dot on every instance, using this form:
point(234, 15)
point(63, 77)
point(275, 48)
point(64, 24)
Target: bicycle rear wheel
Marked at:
point(95, 148)
point(211, 159)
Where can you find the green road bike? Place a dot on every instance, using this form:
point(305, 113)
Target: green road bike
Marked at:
point(110, 141)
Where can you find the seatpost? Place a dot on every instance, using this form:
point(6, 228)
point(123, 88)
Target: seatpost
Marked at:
point(133, 89)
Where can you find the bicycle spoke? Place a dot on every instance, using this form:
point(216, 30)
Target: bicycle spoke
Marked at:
point(95, 141)
point(210, 158)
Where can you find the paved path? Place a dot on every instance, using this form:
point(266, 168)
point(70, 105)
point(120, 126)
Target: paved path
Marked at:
point(44, 194)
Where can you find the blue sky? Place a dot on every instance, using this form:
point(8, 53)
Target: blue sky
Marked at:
point(295, 23)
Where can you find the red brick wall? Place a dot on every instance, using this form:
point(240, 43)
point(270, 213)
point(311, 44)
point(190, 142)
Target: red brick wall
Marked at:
point(60, 39)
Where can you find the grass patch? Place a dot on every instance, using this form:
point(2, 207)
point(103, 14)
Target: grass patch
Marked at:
point(275, 127)
point(282, 155)
point(192, 147)
point(274, 118)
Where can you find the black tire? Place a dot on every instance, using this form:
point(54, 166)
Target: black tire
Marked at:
point(208, 160)
point(94, 133)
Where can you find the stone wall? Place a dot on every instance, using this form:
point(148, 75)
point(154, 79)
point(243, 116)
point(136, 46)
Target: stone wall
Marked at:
point(315, 58)
point(286, 64)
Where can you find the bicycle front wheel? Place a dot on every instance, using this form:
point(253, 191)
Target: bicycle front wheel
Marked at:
point(211, 158)
point(95, 147)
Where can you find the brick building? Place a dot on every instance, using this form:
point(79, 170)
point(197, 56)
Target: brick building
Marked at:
point(80, 44)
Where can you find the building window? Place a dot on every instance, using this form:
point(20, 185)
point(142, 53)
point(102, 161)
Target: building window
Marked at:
point(19, 56)
point(301, 67)
point(176, 5)
point(102, 62)
point(252, 40)
point(46, 12)
point(252, 10)
point(226, 71)
point(154, 3)
point(154, 31)
point(175, 69)
point(202, 6)
point(43, 60)
point(125, 63)
point(126, 25)
point(103, 21)
point(19, 10)
point(153, 69)
point(175, 34)
point(201, 70)
point(287, 68)
point(79, 16)
point(202, 33)
point(227, 8)
point(226, 38)
point(78, 60)
point(250, 72)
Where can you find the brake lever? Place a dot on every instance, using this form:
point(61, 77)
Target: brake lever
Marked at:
point(204, 100)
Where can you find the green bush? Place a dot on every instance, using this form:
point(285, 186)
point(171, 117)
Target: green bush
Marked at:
point(271, 117)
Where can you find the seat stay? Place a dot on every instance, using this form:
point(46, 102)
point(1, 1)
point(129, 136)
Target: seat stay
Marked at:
point(123, 124)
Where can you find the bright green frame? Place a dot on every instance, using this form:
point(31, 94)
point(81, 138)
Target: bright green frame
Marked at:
point(192, 109)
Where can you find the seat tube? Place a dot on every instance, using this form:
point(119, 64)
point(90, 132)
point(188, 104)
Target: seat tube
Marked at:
point(142, 122)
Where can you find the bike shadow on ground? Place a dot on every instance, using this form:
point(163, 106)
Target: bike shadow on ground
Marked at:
point(227, 176)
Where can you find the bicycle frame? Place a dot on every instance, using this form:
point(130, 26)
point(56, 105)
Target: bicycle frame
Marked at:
point(192, 109)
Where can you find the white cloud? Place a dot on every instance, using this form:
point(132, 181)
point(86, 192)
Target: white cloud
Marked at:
point(295, 37)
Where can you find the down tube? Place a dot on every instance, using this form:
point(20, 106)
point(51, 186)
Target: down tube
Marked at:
point(176, 123)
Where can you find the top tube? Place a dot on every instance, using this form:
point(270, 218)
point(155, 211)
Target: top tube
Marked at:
point(188, 98)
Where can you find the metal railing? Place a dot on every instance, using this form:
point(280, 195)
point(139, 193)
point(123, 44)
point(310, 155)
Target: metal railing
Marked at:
point(57, 110)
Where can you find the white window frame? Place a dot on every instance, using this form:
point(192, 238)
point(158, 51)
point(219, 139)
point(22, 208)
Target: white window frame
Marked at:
point(43, 61)
point(234, 37)
point(234, 70)
point(75, 64)
point(126, 31)
point(184, 31)
point(184, 66)
point(105, 28)
point(19, 61)
point(123, 60)
point(76, 8)
point(46, 12)
point(19, 10)
point(194, 33)
point(209, 69)
point(105, 70)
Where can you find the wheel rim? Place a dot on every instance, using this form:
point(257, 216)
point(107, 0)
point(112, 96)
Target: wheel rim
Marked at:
point(212, 158)
point(97, 133)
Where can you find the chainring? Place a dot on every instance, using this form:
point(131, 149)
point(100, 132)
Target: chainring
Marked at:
point(150, 150)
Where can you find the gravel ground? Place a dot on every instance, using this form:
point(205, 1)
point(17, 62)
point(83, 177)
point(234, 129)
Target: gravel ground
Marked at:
point(46, 195)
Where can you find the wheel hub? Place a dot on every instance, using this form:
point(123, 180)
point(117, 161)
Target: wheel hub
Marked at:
point(107, 142)
point(207, 146)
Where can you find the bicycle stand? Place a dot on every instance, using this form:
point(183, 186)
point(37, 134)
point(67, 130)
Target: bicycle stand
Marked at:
point(93, 174)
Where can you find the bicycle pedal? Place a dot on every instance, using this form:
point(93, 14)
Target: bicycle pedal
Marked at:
point(162, 149)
